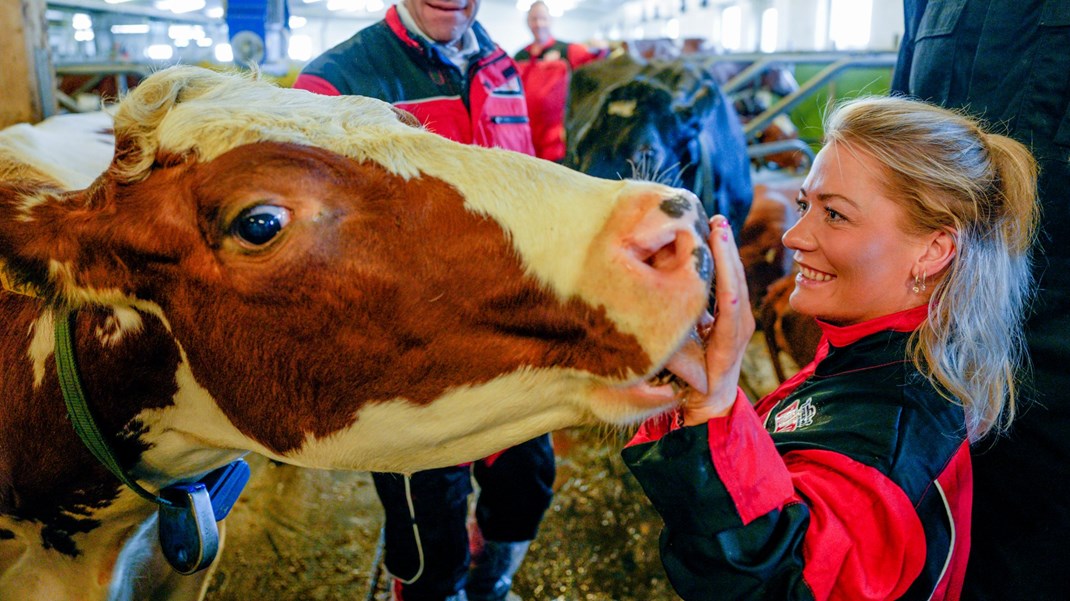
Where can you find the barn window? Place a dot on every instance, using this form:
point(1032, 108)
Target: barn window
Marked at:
point(850, 23)
point(769, 30)
point(732, 28)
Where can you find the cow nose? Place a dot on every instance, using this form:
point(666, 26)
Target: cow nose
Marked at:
point(671, 237)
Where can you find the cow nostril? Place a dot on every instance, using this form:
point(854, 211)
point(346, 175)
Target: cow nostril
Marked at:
point(664, 257)
point(667, 256)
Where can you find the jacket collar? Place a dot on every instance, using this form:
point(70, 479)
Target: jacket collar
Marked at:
point(903, 321)
point(420, 43)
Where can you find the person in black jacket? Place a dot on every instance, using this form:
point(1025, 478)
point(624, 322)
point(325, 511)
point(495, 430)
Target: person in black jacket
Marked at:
point(1008, 63)
point(853, 479)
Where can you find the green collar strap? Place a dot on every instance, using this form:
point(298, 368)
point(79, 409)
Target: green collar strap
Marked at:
point(81, 418)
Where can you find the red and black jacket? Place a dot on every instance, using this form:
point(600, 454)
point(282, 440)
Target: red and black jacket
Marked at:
point(546, 76)
point(484, 106)
point(851, 481)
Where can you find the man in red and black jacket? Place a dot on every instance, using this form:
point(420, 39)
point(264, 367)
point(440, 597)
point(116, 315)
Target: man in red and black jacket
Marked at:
point(467, 90)
point(546, 67)
point(432, 59)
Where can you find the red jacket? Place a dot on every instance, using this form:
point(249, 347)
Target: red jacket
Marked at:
point(484, 106)
point(546, 76)
point(851, 481)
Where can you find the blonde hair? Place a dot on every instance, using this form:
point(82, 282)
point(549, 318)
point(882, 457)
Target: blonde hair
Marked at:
point(949, 173)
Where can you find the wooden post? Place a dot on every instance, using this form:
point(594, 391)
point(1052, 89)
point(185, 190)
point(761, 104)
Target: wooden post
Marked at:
point(25, 63)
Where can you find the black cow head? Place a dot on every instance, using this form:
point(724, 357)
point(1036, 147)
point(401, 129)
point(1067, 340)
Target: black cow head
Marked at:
point(661, 121)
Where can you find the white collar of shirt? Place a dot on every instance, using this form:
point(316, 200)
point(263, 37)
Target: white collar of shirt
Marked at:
point(459, 57)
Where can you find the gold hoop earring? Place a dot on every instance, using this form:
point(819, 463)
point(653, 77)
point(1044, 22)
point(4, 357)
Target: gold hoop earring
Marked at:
point(919, 283)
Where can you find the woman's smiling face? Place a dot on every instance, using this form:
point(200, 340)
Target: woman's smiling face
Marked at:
point(856, 261)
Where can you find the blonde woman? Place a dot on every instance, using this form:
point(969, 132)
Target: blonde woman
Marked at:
point(853, 479)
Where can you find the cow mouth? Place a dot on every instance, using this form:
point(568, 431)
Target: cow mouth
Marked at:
point(685, 370)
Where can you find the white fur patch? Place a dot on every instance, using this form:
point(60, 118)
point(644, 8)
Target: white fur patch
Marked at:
point(42, 345)
point(122, 321)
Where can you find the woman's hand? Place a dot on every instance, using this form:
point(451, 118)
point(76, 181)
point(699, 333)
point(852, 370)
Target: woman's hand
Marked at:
point(732, 329)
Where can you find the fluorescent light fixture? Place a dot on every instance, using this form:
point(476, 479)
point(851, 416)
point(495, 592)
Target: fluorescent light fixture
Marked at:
point(160, 52)
point(297, 22)
point(83, 35)
point(187, 32)
point(81, 21)
point(130, 29)
point(180, 6)
point(223, 53)
point(216, 12)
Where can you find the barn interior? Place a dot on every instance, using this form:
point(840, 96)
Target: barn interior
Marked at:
point(315, 535)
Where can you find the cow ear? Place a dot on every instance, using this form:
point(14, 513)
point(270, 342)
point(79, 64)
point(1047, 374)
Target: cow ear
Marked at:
point(68, 248)
point(701, 101)
point(29, 244)
point(406, 117)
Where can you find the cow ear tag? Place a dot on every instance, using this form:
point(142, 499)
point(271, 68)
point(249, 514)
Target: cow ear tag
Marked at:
point(225, 485)
point(188, 533)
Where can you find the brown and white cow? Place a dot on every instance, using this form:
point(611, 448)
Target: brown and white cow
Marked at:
point(315, 280)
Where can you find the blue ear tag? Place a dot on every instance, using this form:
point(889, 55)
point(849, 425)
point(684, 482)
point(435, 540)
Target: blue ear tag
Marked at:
point(188, 534)
point(224, 485)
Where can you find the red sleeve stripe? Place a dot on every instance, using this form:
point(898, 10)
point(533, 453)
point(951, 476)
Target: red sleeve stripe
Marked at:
point(747, 462)
point(312, 83)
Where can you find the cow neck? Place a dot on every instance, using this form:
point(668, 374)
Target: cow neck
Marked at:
point(81, 418)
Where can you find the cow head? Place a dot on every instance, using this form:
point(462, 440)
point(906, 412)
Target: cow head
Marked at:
point(336, 288)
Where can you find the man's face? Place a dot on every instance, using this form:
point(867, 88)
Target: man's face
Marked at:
point(539, 23)
point(444, 21)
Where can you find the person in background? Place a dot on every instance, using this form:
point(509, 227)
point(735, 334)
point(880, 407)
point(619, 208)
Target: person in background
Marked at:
point(434, 60)
point(1007, 63)
point(546, 67)
point(853, 479)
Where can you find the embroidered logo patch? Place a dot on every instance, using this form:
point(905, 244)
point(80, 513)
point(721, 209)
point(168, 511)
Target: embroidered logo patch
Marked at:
point(795, 416)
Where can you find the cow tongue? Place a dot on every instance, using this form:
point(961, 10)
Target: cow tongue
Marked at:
point(687, 367)
point(689, 363)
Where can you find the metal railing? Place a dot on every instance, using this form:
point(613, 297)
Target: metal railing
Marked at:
point(836, 62)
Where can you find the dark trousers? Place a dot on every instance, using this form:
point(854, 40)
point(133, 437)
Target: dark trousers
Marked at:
point(515, 490)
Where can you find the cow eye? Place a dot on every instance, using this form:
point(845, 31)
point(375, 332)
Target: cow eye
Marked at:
point(260, 224)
